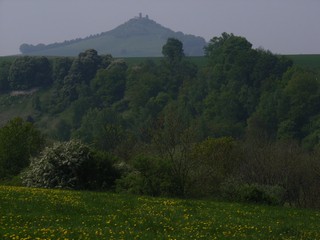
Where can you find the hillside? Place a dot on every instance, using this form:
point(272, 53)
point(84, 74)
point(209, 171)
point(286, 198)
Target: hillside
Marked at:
point(138, 37)
point(132, 108)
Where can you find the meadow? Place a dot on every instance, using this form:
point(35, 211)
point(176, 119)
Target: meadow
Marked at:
point(306, 60)
point(29, 213)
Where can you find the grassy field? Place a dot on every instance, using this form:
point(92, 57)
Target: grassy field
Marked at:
point(306, 60)
point(28, 213)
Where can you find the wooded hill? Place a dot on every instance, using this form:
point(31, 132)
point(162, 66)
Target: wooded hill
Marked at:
point(243, 125)
point(138, 37)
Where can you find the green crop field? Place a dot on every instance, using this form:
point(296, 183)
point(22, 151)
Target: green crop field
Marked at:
point(306, 60)
point(8, 58)
point(28, 213)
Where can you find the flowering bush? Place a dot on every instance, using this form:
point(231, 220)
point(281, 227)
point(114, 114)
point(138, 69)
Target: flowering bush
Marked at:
point(57, 166)
point(71, 165)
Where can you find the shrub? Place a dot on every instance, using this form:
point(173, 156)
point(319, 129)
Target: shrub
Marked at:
point(149, 175)
point(235, 190)
point(99, 172)
point(230, 189)
point(130, 183)
point(71, 165)
point(271, 195)
point(215, 159)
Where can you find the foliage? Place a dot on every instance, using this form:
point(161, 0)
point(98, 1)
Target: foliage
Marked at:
point(70, 165)
point(284, 164)
point(27, 72)
point(235, 190)
point(149, 176)
point(60, 68)
point(216, 160)
point(62, 130)
point(237, 73)
point(103, 129)
point(142, 84)
point(100, 173)
point(4, 76)
point(173, 140)
point(272, 195)
point(109, 84)
point(19, 140)
point(173, 50)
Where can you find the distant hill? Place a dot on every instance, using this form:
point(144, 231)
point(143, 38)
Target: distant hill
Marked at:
point(138, 37)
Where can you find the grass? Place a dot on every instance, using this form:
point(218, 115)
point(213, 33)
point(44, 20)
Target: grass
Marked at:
point(28, 213)
point(8, 58)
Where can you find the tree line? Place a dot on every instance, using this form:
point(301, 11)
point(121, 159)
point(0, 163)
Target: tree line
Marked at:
point(244, 127)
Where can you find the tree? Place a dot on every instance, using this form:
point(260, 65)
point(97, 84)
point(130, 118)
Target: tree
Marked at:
point(303, 93)
point(217, 160)
point(89, 62)
point(215, 44)
point(60, 69)
point(173, 139)
point(62, 130)
point(238, 77)
point(142, 84)
point(173, 50)
point(4, 76)
point(102, 128)
point(27, 72)
point(19, 140)
point(174, 69)
point(82, 70)
point(109, 84)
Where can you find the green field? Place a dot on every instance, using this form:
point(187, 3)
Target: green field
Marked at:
point(306, 60)
point(28, 213)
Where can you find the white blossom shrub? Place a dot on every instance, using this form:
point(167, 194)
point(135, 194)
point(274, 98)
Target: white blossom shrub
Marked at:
point(58, 166)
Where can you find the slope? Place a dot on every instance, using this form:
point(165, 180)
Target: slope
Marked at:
point(138, 37)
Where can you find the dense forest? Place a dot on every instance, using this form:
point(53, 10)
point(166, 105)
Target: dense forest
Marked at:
point(244, 127)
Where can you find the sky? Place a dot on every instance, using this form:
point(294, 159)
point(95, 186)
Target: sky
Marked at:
point(281, 26)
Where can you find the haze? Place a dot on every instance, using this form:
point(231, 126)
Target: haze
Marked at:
point(282, 26)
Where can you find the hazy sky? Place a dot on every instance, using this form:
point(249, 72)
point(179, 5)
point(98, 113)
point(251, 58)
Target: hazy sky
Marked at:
point(282, 26)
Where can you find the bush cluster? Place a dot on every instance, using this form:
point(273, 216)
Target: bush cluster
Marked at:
point(236, 190)
point(70, 165)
